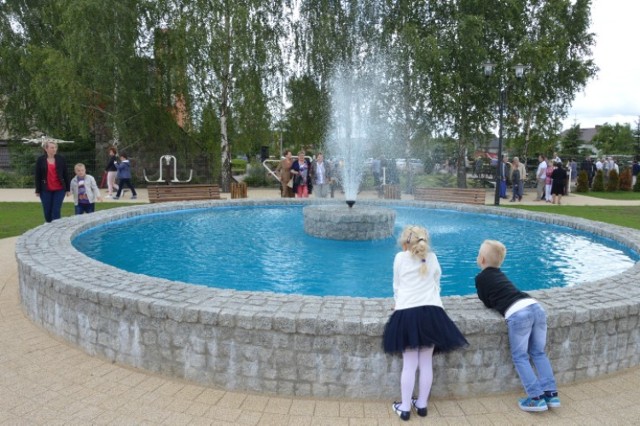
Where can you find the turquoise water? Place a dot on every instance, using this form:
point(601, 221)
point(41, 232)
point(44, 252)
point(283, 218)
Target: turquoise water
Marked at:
point(265, 249)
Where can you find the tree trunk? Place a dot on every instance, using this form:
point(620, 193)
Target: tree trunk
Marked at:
point(461, 163)
point(225, 154)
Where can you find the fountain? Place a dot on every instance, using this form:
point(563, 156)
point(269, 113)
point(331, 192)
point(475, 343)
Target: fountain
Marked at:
point(351, 126)
point(289, 344)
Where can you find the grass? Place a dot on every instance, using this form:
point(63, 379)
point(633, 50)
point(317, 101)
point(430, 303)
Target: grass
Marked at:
point(16, 218)
point(628, 216)
point(619, 195)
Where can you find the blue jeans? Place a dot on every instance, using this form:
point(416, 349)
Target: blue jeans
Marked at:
point(52, 203)
point(527, 339)
point(517, 190)
point(85, 208)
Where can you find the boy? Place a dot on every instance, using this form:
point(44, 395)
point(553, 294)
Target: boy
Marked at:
point(84, 190)
point(526, 324)
point(124, 177)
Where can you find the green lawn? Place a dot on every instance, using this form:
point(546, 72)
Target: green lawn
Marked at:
point(628, 216)
point(620, 195)
point(16, 218)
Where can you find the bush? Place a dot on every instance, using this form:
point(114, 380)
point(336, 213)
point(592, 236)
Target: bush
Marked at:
point(583, 182)
point(614, 181)
point(257, 176)
point(238, 166)
point(446, 181)
point(625, 179)
point(598, 182)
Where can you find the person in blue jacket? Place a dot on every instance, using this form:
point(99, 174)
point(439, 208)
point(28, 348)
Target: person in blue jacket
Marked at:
point(124, 177)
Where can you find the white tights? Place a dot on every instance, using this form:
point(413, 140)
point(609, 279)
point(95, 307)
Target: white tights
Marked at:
point(411, 361)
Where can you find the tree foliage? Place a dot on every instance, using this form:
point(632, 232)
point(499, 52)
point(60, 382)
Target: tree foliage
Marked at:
point(617, 138)
point(307, 119)
point(571, 142)
point(218, 77)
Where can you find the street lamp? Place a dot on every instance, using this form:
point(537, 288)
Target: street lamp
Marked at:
point(488, 71)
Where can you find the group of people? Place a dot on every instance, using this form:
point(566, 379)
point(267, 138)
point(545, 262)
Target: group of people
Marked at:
point(551, 177)
point(419, 327)
point(300, 177)
point(606, 165)
point(53, 183)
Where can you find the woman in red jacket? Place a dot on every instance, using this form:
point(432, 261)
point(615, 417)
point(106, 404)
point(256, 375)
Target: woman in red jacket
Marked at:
point(52, 180)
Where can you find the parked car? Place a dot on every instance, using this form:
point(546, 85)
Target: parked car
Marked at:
point(401, 163)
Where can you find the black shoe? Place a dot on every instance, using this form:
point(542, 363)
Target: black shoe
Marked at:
point(404, 415)
point(422, 412)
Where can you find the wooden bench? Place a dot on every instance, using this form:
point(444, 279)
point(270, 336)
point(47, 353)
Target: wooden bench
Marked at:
point(450, 195)
point(163, 193)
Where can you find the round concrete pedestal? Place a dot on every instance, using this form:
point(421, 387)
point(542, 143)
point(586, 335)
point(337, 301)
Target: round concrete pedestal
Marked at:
point(339, 222)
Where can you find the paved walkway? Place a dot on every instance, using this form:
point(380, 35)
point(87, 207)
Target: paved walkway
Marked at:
point(44, 381)
point(572, 199)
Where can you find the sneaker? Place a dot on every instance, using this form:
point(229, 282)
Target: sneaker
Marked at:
point(108, 196)
point(552, 399)
point(422, 412)
point(532, 405)
point(404, 415)
point(115, 198)
point(134, 197)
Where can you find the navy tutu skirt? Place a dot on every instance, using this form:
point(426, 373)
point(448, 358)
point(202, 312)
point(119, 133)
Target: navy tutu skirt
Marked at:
point(422, 326)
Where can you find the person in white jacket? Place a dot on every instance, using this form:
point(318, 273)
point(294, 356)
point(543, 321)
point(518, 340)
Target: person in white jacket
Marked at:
point(85, 190)
point(419, 325)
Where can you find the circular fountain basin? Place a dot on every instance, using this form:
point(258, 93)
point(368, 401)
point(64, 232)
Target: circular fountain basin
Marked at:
point(307, 345)
point(357, 223)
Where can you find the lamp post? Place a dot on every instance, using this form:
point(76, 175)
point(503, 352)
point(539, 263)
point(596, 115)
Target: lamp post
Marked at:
point(488, 71)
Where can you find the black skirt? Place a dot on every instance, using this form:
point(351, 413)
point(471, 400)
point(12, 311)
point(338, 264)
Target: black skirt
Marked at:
point(419, 327)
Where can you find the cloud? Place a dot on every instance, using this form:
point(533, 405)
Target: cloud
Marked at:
point(614, 95)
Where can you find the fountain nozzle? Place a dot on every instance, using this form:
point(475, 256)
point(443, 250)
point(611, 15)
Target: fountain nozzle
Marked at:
point(350, 203)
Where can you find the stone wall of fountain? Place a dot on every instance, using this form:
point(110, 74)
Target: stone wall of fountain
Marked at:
point(303, 345)
point(338, 222)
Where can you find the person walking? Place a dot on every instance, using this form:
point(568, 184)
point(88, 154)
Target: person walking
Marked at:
point(321, 176)
point(518, 175)
point(302, 184)
point(124, 177)
point(85, 190)
point(51, 180)
point(112, 172)
point(541, 177)
point(284, 173)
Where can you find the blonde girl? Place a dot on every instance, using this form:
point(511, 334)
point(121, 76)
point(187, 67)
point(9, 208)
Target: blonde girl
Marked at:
point(419, 326)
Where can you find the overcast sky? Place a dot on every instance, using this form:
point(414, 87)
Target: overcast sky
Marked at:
point(613, 96)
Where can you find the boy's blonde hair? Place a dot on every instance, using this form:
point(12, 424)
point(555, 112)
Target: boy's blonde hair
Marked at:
point(79, 165)
point(416, 240)
point(494, 252)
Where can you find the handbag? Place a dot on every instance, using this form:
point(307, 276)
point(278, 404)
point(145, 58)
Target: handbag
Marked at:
point(290, 183)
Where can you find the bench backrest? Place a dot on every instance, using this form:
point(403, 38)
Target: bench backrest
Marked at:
point(160, 193)
point(451, 195)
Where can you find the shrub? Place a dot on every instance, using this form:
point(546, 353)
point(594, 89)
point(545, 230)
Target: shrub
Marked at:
point(257, 176)
point(614, 181)
point(582, 184)
point(446, 181)
point(598, 182)
point(625, 179)
point(238, 166)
